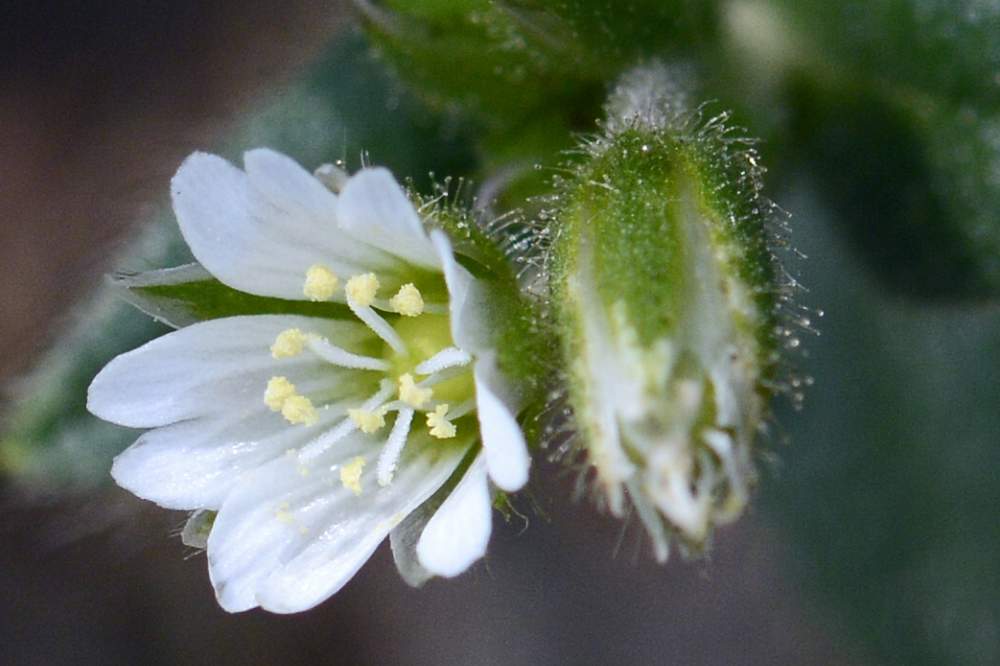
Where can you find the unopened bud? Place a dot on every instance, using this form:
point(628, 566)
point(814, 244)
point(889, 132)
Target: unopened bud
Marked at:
point(666, 291)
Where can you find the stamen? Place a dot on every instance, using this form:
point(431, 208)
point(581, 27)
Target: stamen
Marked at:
point(279, 389)
point(369, 421)
point(411, 394)
point(346, 426)
point(320, 284)
point(380, 326)
point(350, 474)
point(437, 308)
point(289, 343)
point(394, 447)
point(299, 409)
point(408, 301)
point(449, 357)
point(462, 409)
point(362, 289)
point(443, 376)
point(439, 424)
point(343, 358)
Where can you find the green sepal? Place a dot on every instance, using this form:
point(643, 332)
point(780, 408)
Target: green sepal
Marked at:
point(197, 528)
point(525, 345)
point(187, 294)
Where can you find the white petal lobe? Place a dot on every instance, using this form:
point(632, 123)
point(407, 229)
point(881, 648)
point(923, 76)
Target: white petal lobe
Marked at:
point(458, 533)
point(507, 456)
point(208, 368)
point(286, 541)
point(471, 325)
point(256, 234)
point(373, 207)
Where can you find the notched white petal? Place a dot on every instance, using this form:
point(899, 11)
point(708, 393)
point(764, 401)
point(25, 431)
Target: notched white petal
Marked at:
point(261, 234)
point(373, 208)
point(459, 531)
point(206, 368)
point(286, 541)
point(468, 301)
point(506, 451)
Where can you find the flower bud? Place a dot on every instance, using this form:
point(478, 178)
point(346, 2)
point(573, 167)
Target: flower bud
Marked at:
point(665, 288)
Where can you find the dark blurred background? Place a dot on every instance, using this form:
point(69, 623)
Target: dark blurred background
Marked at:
point(877, 516)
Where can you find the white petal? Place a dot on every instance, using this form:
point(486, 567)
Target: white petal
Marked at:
point(286, 542)
point(286, 185)
point(373, 207)
point(211, 367)
point(468, 302)
point(506, 451)
point(459, 531)
point(261, 234)
point(194, 464)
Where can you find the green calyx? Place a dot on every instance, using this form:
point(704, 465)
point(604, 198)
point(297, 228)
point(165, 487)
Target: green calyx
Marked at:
point(523, 339)
point(666, 295)
point(632, 202)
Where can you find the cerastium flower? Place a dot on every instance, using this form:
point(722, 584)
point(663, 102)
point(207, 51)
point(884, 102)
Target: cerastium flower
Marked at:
point(367, 386)
point(665, 287)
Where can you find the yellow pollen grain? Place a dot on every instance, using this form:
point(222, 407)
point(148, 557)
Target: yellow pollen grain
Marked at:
point(279, 389)
point(350, 474)
point(439, 424)
point(320, 284)
point(284, 515)
point(411, 394)
point(299, 410)
point(361, 289)
point(289, 343)
point(408, 301)
point(368, 421)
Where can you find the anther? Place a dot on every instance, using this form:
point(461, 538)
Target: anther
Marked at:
point(408, 301)
point(439, 424)
point(299, 409)
point(411, 394)
point(289, 343)
point(279, 389)
point(361, 289)
point(368, 421)
point(320, 284)
point(350, 474)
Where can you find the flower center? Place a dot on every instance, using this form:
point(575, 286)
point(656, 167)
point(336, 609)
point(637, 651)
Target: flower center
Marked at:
point(418, 369)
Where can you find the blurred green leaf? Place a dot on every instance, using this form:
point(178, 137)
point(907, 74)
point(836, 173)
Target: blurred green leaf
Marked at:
point(947, 48)
point(895, 107)
point(890, 490)
point(915, 192)
point(529, 74)
point(50, 443)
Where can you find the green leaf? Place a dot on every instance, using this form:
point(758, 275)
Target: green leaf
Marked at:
point(894, 107)
point(186, 294)
point(50, 443)
point(943, 47)
point(890, 488)
point(913, 187)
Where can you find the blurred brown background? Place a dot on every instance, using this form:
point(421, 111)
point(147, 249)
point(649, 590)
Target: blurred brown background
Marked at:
point(99, 102)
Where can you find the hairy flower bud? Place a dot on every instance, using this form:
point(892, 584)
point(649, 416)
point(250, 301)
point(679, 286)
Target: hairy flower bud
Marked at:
point(666, 291)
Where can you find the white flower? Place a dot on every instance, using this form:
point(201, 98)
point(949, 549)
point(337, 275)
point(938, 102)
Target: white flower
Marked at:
point(314, 438)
